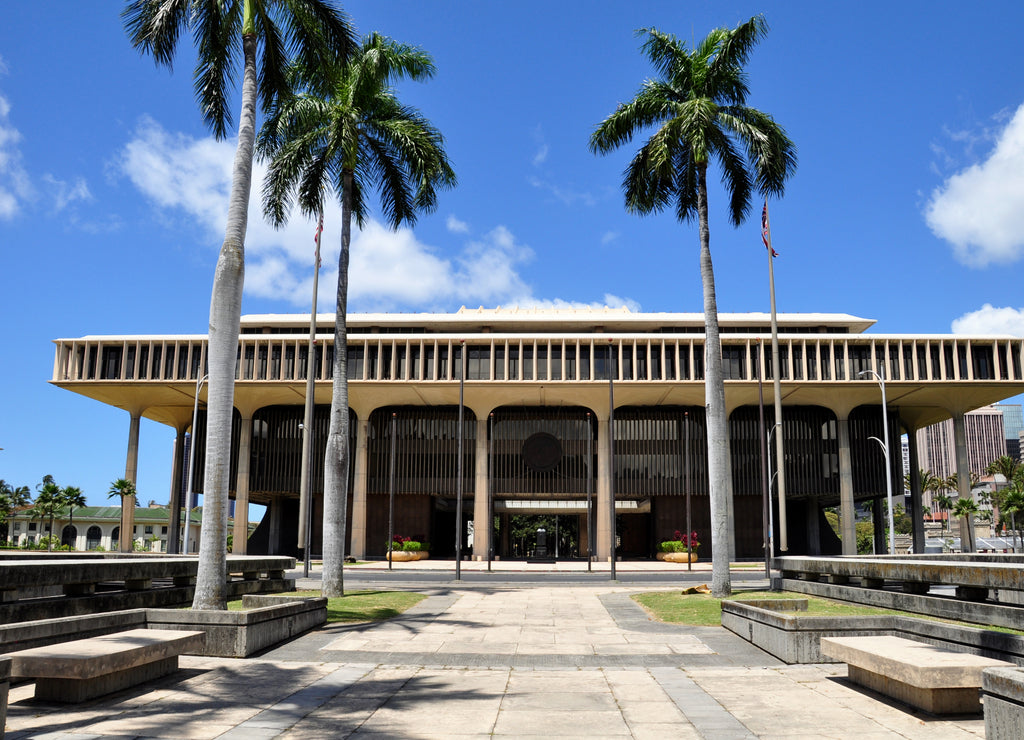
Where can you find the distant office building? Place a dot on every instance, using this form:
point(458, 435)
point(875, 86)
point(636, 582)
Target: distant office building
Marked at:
point(986, 441)
point(1013, 427)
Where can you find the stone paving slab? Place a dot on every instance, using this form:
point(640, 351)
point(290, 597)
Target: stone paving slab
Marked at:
point(416, 677)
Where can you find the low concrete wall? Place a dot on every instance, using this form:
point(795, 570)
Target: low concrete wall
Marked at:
point(25, 635)
point(797, 638)
point(120, 599)
point(269, 621)
point(243, 633)
point(794, 638)
point(933, 606)
point(5, 685)
point(1002, 690)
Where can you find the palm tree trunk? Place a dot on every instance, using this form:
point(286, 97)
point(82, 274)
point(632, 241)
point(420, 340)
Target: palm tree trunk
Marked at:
point(225, 315)
point(336, 459)
point(719, 475)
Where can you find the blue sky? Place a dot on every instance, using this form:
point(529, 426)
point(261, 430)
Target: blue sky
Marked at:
point(907, 206)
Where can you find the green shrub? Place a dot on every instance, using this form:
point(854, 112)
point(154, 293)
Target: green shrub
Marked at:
point(412, 545)
point(672, 546)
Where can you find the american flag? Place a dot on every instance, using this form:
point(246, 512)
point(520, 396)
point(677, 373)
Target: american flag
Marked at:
point(766, 235)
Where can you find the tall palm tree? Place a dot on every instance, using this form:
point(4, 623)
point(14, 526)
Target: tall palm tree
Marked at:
point(72, 497)
point(347, 132)
point(698, 109)
point(265, 33)
point(124, 488)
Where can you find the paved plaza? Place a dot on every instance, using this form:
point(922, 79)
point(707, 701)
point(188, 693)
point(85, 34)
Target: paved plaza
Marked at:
point(501, 660)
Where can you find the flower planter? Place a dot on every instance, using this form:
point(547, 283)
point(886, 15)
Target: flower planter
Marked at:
point(405, 556)
point(676, 557)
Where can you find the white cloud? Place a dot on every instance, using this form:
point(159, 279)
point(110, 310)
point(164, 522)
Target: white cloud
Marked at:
point(566, 195)
point(64, 193)
point(541, 155)
point(991, 320)
point(389, 270)
point(980, 210)
point(455, 226)
point(15, 187)
point(608, 237)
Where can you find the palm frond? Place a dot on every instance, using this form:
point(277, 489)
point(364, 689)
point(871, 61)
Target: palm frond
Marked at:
point(668, 55)
point(217, 29)
point(154, 26)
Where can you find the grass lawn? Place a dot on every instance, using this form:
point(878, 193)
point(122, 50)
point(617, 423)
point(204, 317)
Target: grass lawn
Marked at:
point(360, 606)
point(704, 610)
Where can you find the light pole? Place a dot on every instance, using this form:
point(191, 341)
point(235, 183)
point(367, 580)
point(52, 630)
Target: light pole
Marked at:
point(391, 492)
point(880, 377)
point(192, 463)
point(458, 467)
point(770, 535)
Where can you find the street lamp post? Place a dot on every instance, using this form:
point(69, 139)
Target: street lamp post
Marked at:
point(880, 377)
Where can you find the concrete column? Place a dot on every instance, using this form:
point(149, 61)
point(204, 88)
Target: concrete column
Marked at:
point(916, 507)
point(604, 549)
point(879, 519)
point(847, 517)
point(175, 500)
point(963, 478)
point(813, 528)
point(131, 470)
point(481, 494)
point(240, 536)
point(359, 485)
point(276, 505)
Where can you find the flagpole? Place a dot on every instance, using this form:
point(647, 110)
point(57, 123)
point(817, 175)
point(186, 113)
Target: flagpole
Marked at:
point(780, 456)
point(305, 481)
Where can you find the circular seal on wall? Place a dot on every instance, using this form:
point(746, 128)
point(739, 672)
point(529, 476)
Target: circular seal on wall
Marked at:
point(542, 452)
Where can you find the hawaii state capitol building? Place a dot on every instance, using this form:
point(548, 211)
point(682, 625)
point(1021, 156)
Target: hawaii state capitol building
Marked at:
point(536, 432)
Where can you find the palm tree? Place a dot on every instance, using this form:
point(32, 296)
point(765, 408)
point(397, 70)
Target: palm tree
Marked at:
point(1013, 504)
point(348, 133)
point(698, 106)
point(72, 497)
point(11, 500)
point(48, 502)
point(944, 503)
point(124, 488)
point(964, 509)
point(265, 32)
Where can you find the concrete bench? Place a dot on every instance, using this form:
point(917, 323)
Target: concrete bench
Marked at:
point(931, 678)
point(80, 670)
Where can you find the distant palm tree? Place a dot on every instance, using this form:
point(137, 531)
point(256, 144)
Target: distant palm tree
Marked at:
point(47, 504)
point(698, 110)
point(124, 488)
point(347, 132)
point(944, 504)
point(965, 509)
point(72, 497)
point(1013, 504)
point(265, 32)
